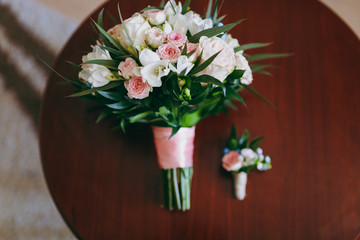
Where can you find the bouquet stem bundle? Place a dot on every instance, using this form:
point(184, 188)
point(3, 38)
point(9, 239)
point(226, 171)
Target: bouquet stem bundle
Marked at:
point(177, 188)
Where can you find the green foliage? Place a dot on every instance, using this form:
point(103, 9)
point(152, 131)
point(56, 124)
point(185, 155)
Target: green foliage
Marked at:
point(213, 31)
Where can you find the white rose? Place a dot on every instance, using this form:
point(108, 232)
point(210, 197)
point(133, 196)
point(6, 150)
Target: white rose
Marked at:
point(155, 37)
point(96, 75)
point(233, 42)
point(179, 23)
point(136, 26)
point(196, 24)
point(155, 17)
point(242, 64)
point(223, 64)
point(154, 68)
point(169, 8)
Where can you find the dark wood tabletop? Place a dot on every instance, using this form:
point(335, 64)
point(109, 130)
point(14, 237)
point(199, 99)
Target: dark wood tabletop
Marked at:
point(107, 185)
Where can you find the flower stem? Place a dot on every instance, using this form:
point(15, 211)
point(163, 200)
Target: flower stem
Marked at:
point(176, 188)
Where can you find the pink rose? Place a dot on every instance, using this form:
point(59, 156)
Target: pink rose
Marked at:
point(137, 88)
point(177, 39)
point(169, 52)
point(126, 68)
point(232, 161)
point(155, 37)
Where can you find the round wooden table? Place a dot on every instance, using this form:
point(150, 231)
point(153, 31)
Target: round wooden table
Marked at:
point(106, 184)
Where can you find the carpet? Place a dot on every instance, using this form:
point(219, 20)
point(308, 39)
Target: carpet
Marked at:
point(29, 31)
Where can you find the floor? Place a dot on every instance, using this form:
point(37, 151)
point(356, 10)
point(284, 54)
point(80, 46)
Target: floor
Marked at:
point(26, 208)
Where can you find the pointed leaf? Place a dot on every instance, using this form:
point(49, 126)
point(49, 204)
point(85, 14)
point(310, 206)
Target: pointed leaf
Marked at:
point(251, 46)
point(103, 115)
point(204, 64)
point(185, 6)
point(88, 91)
point(233, 134)
point(208, 12)
point(111, 95)
point(77, 67)
point(232, 94)
point(263, 56)
point(255, 144)
point(108, 37)
point(126, 31)
point(258, 95)
point(236, 74)
point(213, 31)
point(174, 131)
point(120, 105)
point(140, 116)
point(244, 139)
point(104, 62)
point(100, 18)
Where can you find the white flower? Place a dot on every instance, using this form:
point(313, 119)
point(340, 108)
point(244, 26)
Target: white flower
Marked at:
point(249, 156)
point(155, 17)
point(154, 68)
point(183, 64)
point(242, 64)
point(167, 28)
point(169, 8)
point(136, 27)
point(96, 75)
point(223, 64)
point(196, 24)
point(179, 23)
point(155, 37)
point(233, 42)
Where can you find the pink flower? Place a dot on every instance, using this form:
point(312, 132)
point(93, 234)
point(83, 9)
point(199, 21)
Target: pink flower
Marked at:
point(155, 37)
point(177, 39)
point(169, 52)
point(137, 88)
point(126, 68)
point(232, 161)
point(191, 47)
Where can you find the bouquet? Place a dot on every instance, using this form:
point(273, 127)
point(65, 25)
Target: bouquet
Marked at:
point(169, 67)
point(240, 157)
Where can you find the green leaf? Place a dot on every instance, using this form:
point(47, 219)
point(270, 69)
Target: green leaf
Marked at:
point(215, 8)
point(190, 119)
point(88, 91)
point(185, 7)
point(208, 12)
point(77, 67)
point(113, 19)
point(104, 62)
point(258, 95)
point(233, 145)
point(162, 4)
point(126, 31)
point(244, 139)
point(111, 95)
point(213, 31)
point(211, 80)
point(251, 46)
point(140, 116)
point(108, 37)
point(204, 64)
point(236, 74)
point(116, 52)
point(232, 94)
point(184, 51)
point(216, 21)
point(120, 105)
point(256, 68)
point(151, 8)
point(100, 18)
point(122, 125)
point(174, 131)
point(254, 144)
point(233, 134)
point(103, 115)
point(263, 56)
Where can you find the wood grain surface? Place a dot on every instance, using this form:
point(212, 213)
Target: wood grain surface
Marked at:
point(107, 185)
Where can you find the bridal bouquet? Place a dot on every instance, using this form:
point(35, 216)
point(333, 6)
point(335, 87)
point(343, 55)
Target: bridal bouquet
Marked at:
point(240, 157)
point(169, 67)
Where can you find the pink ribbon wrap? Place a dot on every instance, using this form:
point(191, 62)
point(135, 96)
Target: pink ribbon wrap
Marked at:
point(176, 152)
